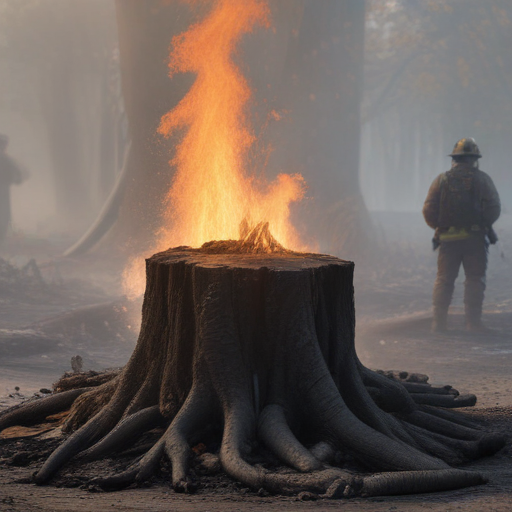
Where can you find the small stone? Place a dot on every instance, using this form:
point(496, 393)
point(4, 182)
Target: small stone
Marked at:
point(93, 488)
point(209, 464)
point(46, 391)
point(187, 486)
point(307, 496)
point(17, 389)
point(262, 493)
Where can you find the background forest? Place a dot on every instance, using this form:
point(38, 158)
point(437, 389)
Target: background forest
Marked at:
point(364, 98)
point(434, 71)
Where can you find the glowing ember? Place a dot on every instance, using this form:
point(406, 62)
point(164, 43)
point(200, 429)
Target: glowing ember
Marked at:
point(211, 193)
point(257, 240)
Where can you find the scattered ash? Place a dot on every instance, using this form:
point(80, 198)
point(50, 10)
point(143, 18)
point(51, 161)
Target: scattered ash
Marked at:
point(22, 282)
point(206, 473)
point(26, 452)
point(23, 457)
point(30, 453)
point(17, 398)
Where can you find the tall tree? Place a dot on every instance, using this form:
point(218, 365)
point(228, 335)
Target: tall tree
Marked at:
point(57, 52)
point(323, 90)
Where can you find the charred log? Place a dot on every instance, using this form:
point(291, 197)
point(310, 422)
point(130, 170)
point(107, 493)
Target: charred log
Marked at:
point(89, 379)
point(35, 411)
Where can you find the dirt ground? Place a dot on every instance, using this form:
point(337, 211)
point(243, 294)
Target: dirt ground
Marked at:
point(393, 316)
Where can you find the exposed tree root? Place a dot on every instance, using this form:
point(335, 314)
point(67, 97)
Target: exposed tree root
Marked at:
point(414, 387)
point(442, 426)
point(34, 412)
point(439, 400)
point(418, 482)
point(275, 433)
point(125, 431)
point(262, 349)
point(452, 416)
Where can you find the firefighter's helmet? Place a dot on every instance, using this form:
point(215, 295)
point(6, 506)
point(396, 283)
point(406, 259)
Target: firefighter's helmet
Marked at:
point(466, 147)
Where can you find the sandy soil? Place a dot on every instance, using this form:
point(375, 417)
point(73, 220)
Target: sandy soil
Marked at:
point(393, 317)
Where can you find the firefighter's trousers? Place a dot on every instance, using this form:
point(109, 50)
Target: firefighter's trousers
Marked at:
point(472, 254)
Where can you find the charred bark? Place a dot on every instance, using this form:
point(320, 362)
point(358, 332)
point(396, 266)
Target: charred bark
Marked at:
point(261, 346)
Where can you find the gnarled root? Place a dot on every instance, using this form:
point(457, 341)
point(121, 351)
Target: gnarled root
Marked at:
point(388, 484)
point(35, 411)
point(128, 429)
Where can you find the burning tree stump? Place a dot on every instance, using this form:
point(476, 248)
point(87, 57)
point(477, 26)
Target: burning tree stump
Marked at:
point(261, 346)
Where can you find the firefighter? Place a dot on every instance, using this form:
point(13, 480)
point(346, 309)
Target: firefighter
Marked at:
point(9, 174)
point(462, 205)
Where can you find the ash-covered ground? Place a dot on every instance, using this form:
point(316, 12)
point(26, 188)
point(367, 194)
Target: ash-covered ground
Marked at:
point(393, 313)
point(65, 308)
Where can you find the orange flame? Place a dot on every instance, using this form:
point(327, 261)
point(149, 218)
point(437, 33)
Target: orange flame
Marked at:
point(211, 193)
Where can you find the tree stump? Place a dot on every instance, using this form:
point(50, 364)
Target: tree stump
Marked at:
point(261, 347)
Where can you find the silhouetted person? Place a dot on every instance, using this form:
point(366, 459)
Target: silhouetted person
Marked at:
point(462, 205)
point(9, 174)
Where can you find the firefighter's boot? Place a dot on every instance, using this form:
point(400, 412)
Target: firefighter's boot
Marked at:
point(474, 288)
point(440, 320)
point(473, 317)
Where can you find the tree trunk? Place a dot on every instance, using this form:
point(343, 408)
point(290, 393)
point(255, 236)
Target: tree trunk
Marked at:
point(258, 343)
point(145, 32)
point(322, 92)
point(62, 127)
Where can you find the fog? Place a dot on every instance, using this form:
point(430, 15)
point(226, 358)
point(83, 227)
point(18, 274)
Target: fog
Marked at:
point(363, 98)
point(433, 73)
point(58, 92)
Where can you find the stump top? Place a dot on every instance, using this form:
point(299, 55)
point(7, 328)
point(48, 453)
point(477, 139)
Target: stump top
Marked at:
point(276, 261)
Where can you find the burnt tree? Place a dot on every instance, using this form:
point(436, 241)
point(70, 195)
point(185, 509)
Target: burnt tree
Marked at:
point(258, 343)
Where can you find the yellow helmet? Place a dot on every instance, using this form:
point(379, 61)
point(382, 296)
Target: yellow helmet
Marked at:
point(466, 147)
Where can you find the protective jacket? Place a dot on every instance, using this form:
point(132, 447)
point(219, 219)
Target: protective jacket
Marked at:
point(461, 203)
